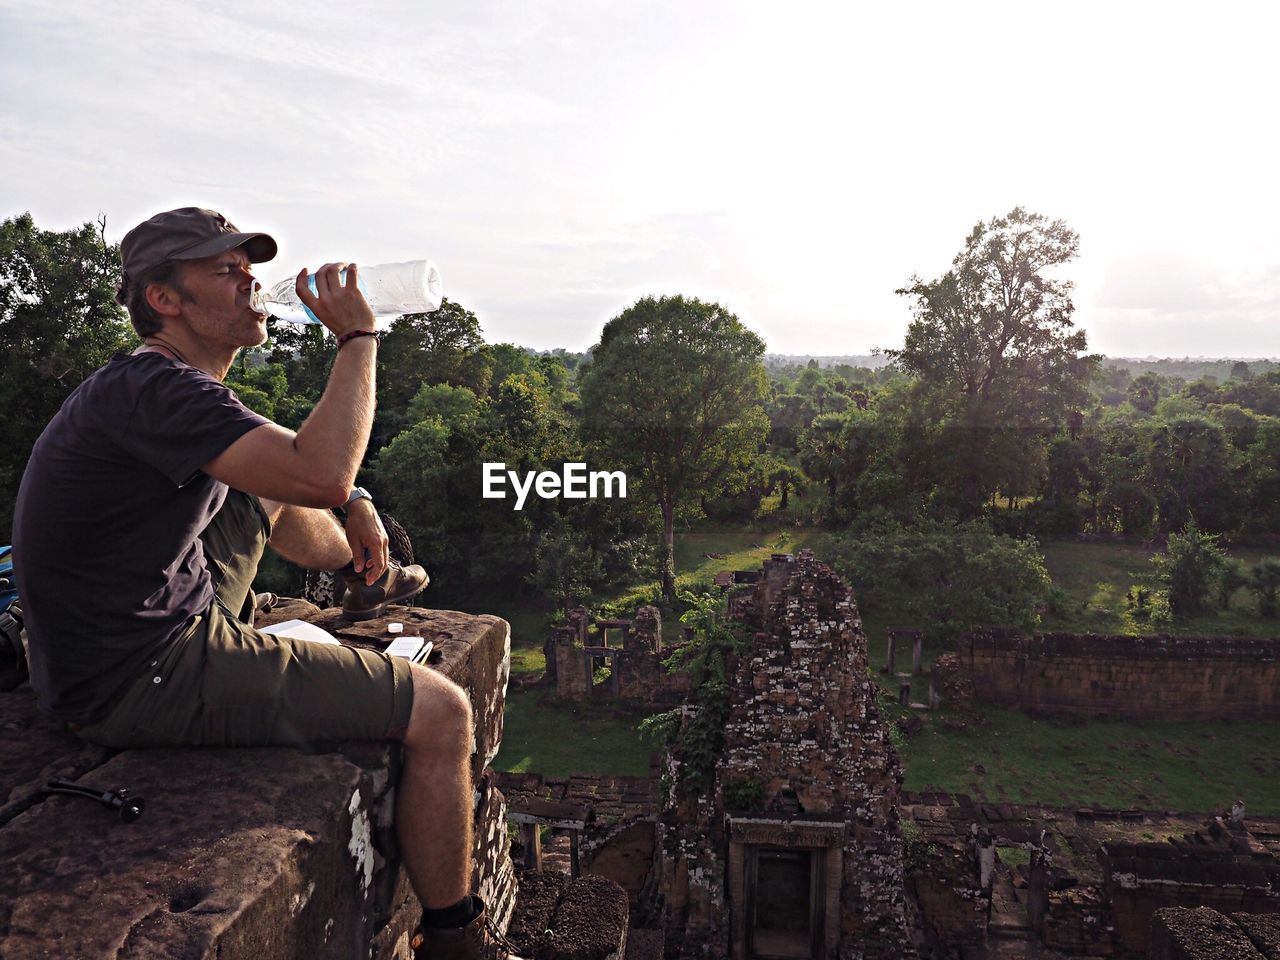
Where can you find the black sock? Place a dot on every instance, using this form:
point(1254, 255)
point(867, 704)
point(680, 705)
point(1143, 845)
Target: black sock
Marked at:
point(459, 915)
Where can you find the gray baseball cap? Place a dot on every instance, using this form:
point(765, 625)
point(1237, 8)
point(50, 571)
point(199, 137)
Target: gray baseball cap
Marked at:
point(188, 233)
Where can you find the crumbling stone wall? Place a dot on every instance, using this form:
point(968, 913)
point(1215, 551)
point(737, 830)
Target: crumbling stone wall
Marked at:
point(617, 838)
point(1166, 678)
point(692, 874)
point(951, 681)
point(942, 869)
point(570, 919)
point(1094, 879)
point(636, 665)
point(1218, 867)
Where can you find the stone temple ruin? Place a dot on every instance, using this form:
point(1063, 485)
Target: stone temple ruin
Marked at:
point(797, 851)
point(794, 850)
point(804, 844)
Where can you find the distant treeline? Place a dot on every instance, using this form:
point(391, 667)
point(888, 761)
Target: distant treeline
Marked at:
point(1186, 368)
point(1195, 368)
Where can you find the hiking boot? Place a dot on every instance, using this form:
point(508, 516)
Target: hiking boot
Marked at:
point(360, 601)
point(478, 940)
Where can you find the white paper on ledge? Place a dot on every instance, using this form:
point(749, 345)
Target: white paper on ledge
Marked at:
point(301, 630)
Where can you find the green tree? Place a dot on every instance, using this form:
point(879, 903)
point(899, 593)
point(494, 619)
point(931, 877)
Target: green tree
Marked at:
point(1261, 473)
point(673, 395)
point(1189, 568)
point(992, 341)
point(264, 389)
point(946, 575)
point(564, 563)
point(1241, 425)
point(1260, 394)
point(1124, 504)
point(783, 477)
point(430, 477)
point(305, 351)
point(441, 347)
point(58, 323)
point(1067, 468)
point(1188, 471)
point(789, 415)
point(1144, 392)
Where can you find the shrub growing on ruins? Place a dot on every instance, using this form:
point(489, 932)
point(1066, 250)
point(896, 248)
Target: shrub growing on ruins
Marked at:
point(744, 794)
point(916, 851)
point(697, 735)
point(1189, 569)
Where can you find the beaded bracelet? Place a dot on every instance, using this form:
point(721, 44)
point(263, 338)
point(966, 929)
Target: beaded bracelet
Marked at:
point(352, 334)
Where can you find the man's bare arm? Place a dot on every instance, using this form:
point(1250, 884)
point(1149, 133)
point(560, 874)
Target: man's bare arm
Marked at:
point(316, 467)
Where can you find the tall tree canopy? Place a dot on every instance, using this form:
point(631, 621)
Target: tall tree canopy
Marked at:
point(674, 396)
point(993, 344)
point(441, 347)
point(58, 322)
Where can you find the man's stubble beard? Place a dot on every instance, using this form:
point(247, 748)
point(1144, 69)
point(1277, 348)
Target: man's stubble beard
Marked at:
point(189, 298)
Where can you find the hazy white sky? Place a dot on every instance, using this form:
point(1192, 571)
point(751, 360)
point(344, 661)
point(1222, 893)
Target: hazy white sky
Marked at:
point(796, 162)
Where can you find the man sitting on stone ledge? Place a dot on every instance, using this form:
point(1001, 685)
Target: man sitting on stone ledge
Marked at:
point(140, 521)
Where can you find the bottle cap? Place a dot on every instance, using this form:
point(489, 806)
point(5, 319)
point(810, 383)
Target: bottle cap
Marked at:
point(395, 628)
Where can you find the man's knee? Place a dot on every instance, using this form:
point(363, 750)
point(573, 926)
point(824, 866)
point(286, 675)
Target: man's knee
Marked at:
point(441, 713)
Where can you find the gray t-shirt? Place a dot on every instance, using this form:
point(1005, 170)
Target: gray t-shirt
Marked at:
point(107, 525)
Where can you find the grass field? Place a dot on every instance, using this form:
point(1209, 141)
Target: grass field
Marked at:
point(556, 739)
point(1194, 767)
point(1096, 577)
point(1012, 757)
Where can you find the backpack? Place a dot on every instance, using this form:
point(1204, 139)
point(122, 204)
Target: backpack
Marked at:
point(12, 649)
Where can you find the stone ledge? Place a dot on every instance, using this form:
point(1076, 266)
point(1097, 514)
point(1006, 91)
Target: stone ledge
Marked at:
point(240, 853)
point(271, 852)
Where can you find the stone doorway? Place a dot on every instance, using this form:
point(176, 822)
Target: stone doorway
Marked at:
point(784, 904)
point(602, 669)
point(784, 887)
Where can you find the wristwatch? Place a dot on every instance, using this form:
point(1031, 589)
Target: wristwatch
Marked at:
point(359, 493)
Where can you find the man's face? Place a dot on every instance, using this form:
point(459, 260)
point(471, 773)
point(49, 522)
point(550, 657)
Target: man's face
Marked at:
point(215, 294)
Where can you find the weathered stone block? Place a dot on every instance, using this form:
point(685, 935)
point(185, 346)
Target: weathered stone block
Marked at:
point(272, 852)
point(562, 919)
point(240, 853)
point(1178, 933)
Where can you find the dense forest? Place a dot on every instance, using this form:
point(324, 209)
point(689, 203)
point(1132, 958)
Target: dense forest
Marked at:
point(991, 423)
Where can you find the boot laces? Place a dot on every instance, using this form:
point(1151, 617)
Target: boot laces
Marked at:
point(504, 949)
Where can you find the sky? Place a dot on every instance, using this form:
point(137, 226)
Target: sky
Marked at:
point(794, 162)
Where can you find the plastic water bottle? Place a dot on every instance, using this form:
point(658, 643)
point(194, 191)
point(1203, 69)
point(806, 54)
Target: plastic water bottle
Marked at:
point(391, 289)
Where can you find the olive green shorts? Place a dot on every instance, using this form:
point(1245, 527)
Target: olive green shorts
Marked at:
point(223, 683)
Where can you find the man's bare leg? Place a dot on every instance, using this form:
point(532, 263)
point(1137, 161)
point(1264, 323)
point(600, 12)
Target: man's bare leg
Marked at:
point(433, 800)
point(309, 537)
